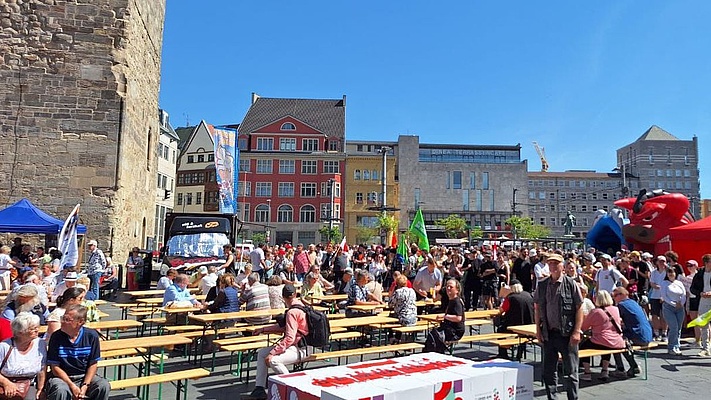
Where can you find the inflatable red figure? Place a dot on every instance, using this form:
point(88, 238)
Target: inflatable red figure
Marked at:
point(651, 216)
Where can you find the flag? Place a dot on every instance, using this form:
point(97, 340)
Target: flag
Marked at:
point(402, 249)
point(417, 228)
point(701, 320)
point(343, 243)
point(68, 240)
point(393, 241)
point(226, 168)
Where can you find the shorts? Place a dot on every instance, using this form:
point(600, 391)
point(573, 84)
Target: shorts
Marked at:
point(655, 307)
point(694, 303)
point(490, 288)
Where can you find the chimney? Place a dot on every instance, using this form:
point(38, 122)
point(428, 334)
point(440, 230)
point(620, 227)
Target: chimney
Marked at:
point(254, 97)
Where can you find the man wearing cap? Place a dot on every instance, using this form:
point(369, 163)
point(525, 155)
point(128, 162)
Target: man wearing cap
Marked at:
point(288, 350)
point(95, 267)
point(558, 317)
point(608, 277)
point(195, 279)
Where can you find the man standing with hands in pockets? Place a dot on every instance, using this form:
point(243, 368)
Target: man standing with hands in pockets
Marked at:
point(558, 317)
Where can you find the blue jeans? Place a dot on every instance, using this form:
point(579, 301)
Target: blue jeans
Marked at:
point(675, 320)
point(94, 283)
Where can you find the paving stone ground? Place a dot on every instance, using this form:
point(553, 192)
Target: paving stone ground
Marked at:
point(684, 377)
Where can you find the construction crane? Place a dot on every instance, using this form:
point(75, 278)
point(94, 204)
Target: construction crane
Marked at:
point(542, 154)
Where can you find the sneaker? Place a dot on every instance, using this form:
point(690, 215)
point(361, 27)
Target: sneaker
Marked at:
point(631, 373)
point(704, 353)
point(586, 377)
point(675, 352)
point(259, 393)
point(604, 376)
point(619, 374)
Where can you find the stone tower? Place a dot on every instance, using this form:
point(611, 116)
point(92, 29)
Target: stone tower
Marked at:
point(79, 84)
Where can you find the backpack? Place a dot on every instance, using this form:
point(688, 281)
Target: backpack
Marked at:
point(319, 327)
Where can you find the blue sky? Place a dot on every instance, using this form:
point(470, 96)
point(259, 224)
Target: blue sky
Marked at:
point(581, 78)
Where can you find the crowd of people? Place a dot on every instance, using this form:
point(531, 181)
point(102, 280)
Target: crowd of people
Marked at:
point(60, 363)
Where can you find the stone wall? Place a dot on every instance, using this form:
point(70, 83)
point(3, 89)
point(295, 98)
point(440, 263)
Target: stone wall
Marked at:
point(79, 85)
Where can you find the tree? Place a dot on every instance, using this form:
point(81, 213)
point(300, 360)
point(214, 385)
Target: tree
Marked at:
point(364, 234)
point(526, 228)
point(259, 237)
point(475, 232)
point(388, 225)
point(333, 235)
point(454, 226)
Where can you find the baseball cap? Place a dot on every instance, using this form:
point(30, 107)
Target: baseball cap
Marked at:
point(92, 243)
point(693, 262)
point(606, 257)
point(635, 253)
point(597, 265)
point(532, 252)
point(203, 270)
point(348, 270)
point(662, 258)
point(589, 257)
point(555, 257)
point(646, 255)
point(71, 276)
point(288, 290)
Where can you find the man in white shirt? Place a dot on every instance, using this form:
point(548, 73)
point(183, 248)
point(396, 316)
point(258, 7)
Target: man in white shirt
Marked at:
point(257, 258)
point(607, 277)
point(541, 268)
point(208, 281)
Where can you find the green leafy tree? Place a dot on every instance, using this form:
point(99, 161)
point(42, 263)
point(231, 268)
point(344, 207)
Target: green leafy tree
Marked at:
point(364, 234)
point(259, 237)
point(331, 234)
point(454, 226)
point(524, 227)
point(476, 232)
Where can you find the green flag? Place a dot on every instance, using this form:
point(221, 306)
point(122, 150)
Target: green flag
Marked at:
point(417, 228)
point(701, 320)
point(402, 248)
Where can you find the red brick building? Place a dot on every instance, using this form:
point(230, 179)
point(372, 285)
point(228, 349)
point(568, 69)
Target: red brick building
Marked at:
point(292, 153)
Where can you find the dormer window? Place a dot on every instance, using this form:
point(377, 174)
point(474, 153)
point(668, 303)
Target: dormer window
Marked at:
point(288, 126)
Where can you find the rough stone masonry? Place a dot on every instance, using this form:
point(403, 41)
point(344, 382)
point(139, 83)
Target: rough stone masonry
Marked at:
point(79, 87)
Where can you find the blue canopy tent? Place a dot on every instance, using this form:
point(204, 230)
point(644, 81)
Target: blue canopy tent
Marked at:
point(24, 217)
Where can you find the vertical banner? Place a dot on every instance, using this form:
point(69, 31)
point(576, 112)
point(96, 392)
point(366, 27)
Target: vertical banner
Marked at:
point(417, 228)
point(226, 168)
point(67, 243)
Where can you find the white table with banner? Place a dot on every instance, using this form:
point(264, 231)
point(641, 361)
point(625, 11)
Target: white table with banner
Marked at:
point(418, 376)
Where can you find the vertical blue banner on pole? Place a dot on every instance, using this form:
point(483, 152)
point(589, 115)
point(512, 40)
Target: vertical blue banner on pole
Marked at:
point(226, 168)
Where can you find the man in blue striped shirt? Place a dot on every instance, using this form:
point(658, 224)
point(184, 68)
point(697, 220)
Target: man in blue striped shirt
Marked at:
point(73, 356)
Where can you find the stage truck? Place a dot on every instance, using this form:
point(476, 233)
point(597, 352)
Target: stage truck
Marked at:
point(193, 240)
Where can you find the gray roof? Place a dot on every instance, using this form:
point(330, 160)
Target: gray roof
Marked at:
point(656, 133)
point(327, 115)
point(184, 134)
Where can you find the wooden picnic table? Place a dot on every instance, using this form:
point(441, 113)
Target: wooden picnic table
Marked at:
point(153, 292)
point(150, 301)
point(330, 297)
point(118, 325)
point(481, 314)
point(368, 307)
point(361, 321)
point(523, 330)
point(147, 342)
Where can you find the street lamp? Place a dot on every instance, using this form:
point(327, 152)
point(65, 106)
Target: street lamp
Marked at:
point(269, 220)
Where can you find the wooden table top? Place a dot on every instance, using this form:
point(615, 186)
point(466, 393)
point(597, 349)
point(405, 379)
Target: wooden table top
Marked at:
point(166, 341)
point(153, 292)
point(114, 324)
point(524, 330)
point(208, 318)
point(330, 297)
point(368, 307)
point(360, 321)
point(150, 300)
point(180, 310)
point(481, 314)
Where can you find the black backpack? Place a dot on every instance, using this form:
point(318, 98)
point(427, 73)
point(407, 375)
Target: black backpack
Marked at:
point(319, 327)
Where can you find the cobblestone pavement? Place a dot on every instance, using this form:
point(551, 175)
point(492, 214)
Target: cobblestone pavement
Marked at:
point(670, 377)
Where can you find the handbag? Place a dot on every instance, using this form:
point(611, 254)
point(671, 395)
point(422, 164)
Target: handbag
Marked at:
point(435, 341)
point(22, 384)
point(628, 343)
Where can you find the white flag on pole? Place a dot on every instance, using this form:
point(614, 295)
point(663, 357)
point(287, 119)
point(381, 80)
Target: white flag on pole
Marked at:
point(67, 243)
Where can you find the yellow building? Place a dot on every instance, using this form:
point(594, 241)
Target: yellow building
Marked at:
point(363, 189)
